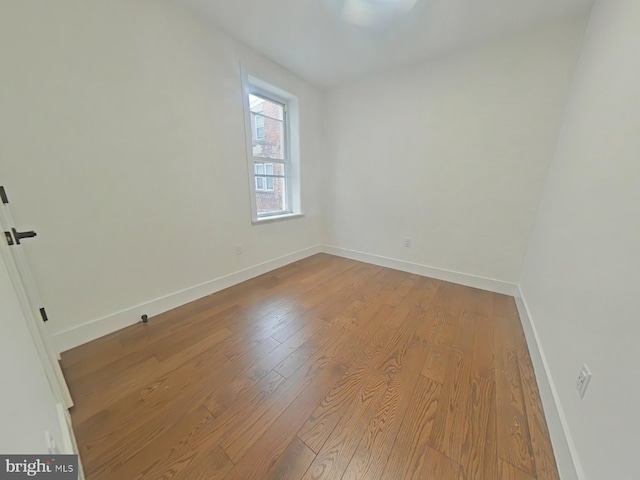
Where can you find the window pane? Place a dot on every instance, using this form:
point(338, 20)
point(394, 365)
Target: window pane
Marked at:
point(272, 200)
point(266, 107)
point(267, 137)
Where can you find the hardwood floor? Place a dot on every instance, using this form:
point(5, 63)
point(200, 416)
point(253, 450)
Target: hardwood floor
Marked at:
point(324, 369)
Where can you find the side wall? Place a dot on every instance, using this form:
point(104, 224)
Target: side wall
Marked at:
point(582, 273)
point(122, 143)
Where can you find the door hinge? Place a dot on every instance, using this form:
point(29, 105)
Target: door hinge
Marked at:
point(43, 313)
point(9, 238)
point(3, 195)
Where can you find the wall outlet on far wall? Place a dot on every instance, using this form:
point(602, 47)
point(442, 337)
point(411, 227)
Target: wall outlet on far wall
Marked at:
point(583, 380)
point(407, 243)
point(239, 249)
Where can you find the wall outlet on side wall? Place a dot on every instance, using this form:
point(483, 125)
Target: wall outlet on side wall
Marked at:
point(583, 380)
point(407, 242)
point(239, 249)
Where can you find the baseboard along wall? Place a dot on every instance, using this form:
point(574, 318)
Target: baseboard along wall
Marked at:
point(99, 327)
point(566, 454)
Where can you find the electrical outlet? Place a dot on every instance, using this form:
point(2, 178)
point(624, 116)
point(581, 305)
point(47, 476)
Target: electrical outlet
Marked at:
point(239, 249)
point(583, 380)
point(407, 243)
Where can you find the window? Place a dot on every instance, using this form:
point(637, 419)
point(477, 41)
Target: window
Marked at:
point(259, 127)
point(264, 183)
point(273, 146)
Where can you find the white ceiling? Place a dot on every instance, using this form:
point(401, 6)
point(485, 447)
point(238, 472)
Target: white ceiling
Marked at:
point(311, 37)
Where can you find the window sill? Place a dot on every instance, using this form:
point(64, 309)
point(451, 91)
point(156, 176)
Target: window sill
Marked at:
point(276, 218)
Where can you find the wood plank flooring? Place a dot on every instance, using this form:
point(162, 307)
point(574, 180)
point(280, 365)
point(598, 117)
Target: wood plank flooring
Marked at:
point(327, 368)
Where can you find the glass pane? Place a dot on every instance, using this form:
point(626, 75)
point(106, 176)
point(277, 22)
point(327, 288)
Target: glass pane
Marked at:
point(267, 137)
point(271, 200)
point(267, 128)
point(266, 107)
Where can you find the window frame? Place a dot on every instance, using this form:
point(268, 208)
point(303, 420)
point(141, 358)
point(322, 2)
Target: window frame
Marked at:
point(290, 149)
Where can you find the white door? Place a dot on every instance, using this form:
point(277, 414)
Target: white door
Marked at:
point(33, 421)
point(11, 248)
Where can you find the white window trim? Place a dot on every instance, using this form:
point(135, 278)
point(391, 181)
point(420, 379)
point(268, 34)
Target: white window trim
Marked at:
point(252, 84)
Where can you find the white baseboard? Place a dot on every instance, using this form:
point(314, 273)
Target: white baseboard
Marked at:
point(99, 327)
point(563, 446)
point(482, 283)
point(69, 445)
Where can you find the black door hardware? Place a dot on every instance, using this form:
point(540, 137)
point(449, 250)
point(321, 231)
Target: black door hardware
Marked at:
point(20, 235)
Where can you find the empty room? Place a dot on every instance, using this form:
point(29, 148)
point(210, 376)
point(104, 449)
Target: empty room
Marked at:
point(319, 239)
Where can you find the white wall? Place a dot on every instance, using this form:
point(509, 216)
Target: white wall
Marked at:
point(452, 154)
point(27, 406)
point(582, 273)
point(122, 143)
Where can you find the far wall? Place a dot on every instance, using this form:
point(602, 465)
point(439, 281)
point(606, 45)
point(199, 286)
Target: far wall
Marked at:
point(452, 154)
